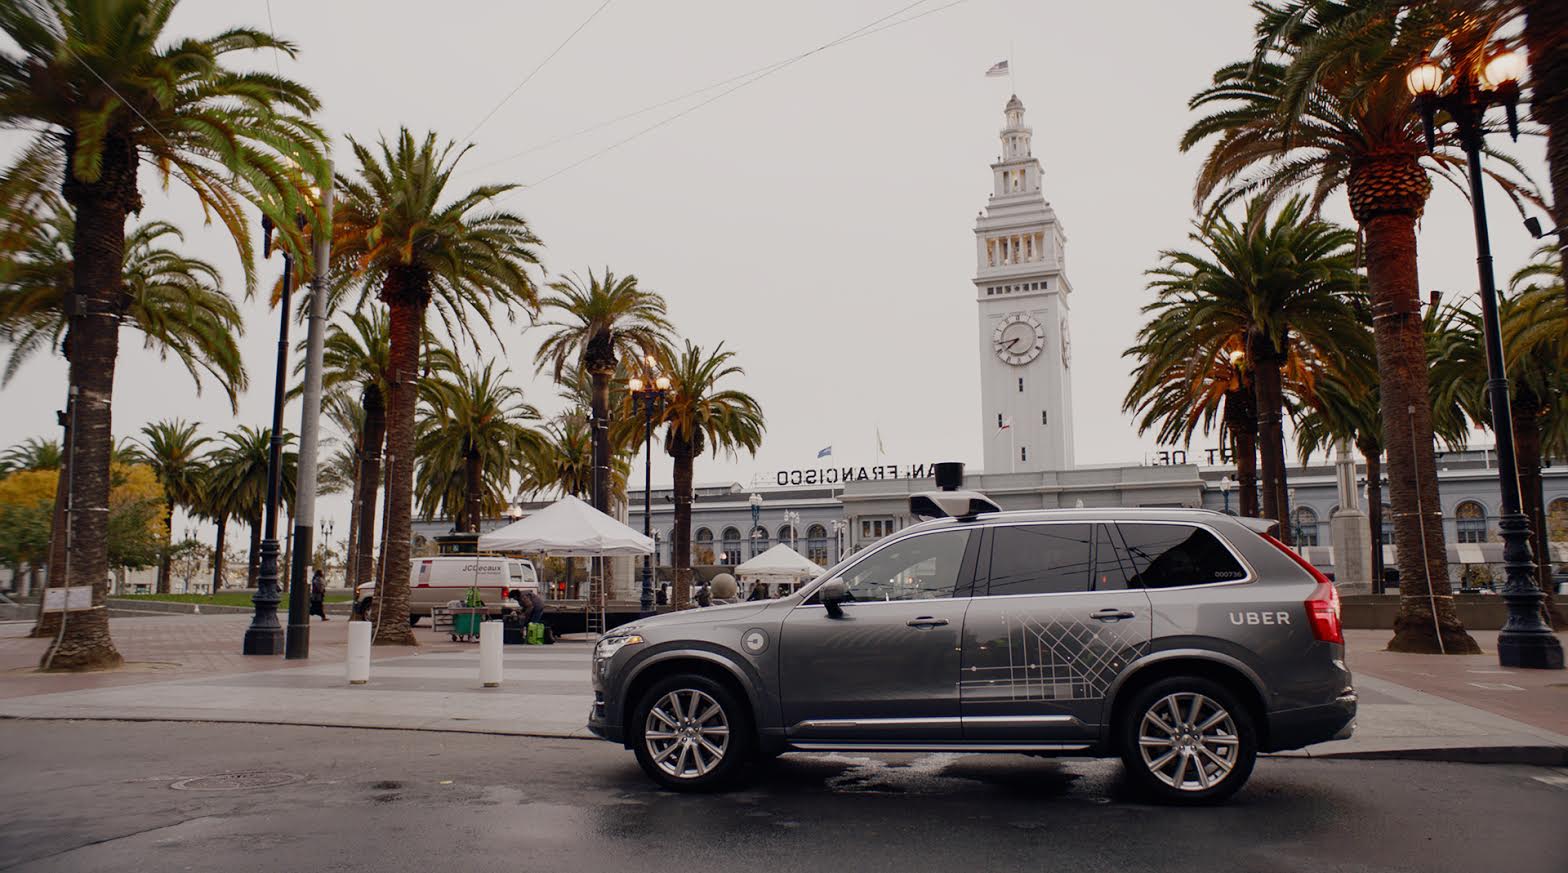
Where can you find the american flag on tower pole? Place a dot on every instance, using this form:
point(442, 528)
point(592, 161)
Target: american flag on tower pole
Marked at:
point(997, 70)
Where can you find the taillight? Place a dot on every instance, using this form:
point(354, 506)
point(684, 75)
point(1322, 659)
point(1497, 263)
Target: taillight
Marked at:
point(1323, 604)
point(505, 592)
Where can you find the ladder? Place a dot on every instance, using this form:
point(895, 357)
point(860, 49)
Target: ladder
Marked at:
point(593, 608)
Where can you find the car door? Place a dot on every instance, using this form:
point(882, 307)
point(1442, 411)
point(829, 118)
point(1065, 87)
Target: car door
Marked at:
point(1051, 626)
point(886, 668)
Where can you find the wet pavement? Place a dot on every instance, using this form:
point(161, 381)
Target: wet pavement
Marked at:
point(191, 796)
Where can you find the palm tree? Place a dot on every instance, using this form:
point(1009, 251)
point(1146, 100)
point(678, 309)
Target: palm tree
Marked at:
point(176, 302)
point(342, 469)
point(700, 415)
point(1347, 405)
point(33, 453)
point(1535, 349)
point(237, 483)
point(561, 461)
point(393, 236)
point(471, 441)
point(1323, 104)
point(1177, 389)
point(173, 449)
point(93, 74)
point(358, 355)
point(603, 321)
point(1282, 288)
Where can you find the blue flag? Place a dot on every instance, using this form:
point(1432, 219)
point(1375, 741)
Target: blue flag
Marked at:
point(825, 452)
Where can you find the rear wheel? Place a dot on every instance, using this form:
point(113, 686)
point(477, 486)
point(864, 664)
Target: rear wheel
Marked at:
point(692, 734)
point(1188, 740)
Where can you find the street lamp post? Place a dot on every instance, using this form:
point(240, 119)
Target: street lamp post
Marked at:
point(651, 393)
point(1226, 484)
point(839, 526)
point(792, 520)
point(1525, 640)
point(756, 519)
point(265, 635)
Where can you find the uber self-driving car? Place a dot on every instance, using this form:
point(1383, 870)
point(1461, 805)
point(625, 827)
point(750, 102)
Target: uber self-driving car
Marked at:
point(1184, 641)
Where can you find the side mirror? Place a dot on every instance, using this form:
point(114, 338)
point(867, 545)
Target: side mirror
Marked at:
point(833, 593)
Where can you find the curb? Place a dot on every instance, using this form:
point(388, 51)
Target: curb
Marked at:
point(1535, 756)
point(537, 735)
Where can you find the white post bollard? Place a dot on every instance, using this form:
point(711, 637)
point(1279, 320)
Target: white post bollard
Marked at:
point(358, 652)
point(491, 635)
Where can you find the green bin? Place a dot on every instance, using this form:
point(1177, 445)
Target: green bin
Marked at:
point(466, 624)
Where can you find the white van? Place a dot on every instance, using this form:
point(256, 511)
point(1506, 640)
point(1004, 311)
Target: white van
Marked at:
point(436, 581)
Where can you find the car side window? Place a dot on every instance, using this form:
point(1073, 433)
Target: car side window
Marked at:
point(1110, 561)
point(1040, 559)
point(1169, 555)
point(918, 568)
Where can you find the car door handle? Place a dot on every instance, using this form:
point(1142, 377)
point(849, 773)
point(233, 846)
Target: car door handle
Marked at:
point(926, 622)
point(1111, 615)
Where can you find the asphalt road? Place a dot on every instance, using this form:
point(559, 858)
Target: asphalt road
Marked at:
point(89, 796)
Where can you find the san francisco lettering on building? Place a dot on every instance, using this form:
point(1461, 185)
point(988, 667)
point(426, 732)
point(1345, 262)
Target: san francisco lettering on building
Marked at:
point(840, 475)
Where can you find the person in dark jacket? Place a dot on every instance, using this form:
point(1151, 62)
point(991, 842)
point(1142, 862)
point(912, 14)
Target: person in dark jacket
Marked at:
point(318, 596)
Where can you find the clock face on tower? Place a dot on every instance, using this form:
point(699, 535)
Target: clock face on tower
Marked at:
point(1018, 339)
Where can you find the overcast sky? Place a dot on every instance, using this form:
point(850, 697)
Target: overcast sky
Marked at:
point(818, 222)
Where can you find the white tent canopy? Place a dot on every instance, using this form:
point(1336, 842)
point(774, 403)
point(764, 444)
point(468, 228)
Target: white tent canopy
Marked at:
point(778, 563)
point(567, 528)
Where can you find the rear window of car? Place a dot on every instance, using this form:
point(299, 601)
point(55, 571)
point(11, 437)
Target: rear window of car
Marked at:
point(1172, 555)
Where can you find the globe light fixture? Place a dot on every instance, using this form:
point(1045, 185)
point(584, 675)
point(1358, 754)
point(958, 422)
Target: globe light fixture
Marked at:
point(1503, 70)
point(1424, 79)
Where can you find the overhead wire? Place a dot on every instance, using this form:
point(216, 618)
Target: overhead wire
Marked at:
point(755, 75)
point(535, 71)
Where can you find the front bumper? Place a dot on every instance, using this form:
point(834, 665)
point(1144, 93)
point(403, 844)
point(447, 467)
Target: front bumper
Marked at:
point(1295, 728)
point(599, 724)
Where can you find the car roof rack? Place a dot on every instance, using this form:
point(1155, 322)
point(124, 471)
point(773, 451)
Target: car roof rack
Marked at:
point(962, 505)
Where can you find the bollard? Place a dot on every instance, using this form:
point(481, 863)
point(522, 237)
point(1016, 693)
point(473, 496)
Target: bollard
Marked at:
point(358, 652)
point(491, 635)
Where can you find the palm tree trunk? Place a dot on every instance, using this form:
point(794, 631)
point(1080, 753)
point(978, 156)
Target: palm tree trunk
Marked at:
point(600, 408)
point(1426, 605)
point(217, 554)
point(374, 435)
point(407, 318)
point(473, 470)
point(1267, 364)
point(1525, 412)
point(680, 531)
point(168, 544)
point(1242, 423)
point(1546, 35)
point(48, 623)
point(351, 548)
point(1374, 461)
point(98, 251)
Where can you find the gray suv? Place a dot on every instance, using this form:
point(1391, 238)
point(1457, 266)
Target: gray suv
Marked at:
point(1184, 641)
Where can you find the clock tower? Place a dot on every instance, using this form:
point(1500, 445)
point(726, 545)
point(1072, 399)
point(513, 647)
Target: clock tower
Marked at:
point(1022, 293)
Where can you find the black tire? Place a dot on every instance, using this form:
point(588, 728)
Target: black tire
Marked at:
point(660, 757)
point(1221, 740)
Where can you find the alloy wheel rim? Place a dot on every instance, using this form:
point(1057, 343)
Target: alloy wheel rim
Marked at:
point(686, 733)
point(1188, 741)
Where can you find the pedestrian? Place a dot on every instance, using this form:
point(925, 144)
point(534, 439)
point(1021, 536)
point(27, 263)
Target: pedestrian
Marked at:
point(318, 596)
point(723, 590)
point(701, 598)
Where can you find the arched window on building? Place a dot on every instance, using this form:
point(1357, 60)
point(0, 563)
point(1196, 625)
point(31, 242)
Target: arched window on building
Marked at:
point(731, 547)
point(702, 548)
point(1304, 526)
point(1470, 522)
point(759, 540)
point(1388, 525)
point(817, 545)
point(1557, 520)
point(787, 535)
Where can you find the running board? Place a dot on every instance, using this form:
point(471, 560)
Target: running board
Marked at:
point(827, 746)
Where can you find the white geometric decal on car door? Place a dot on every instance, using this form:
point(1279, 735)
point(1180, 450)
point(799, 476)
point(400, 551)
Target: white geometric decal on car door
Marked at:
point(1054, 660)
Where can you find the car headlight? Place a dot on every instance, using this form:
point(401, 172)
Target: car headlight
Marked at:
point(606, 648)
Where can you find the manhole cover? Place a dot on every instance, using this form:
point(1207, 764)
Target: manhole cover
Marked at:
point(237, 781)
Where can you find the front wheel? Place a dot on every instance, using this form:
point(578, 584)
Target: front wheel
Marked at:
point(1188, 740)
point(692, 734)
